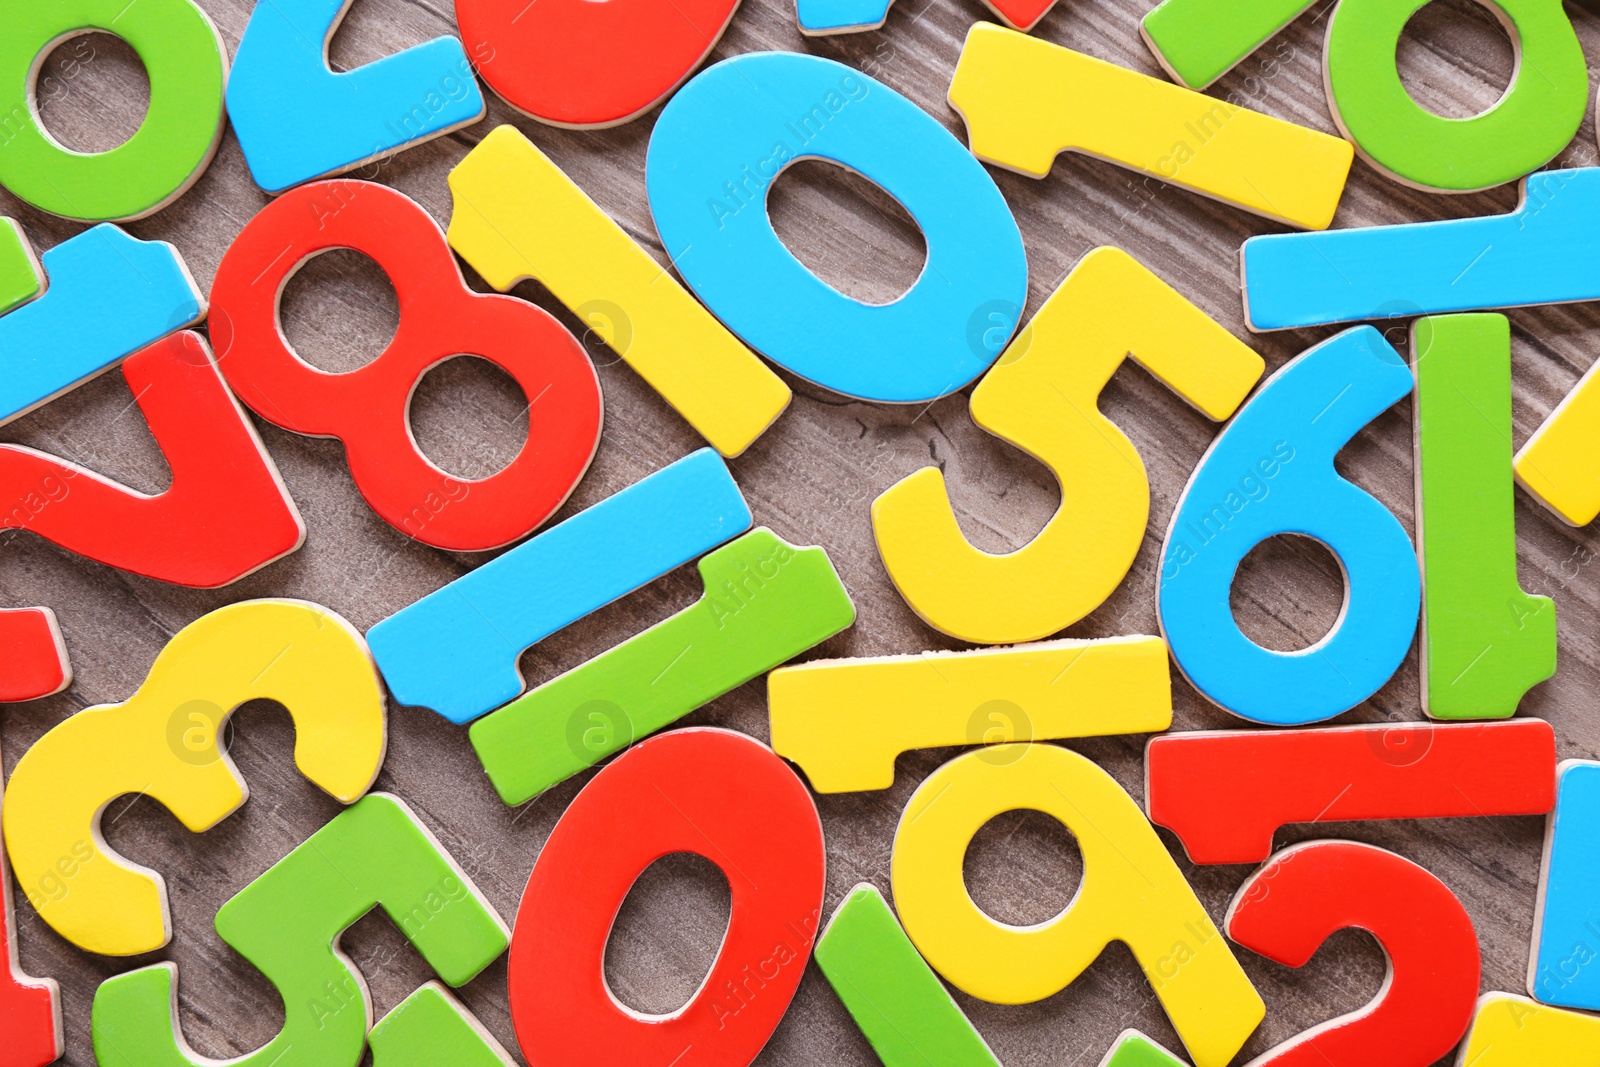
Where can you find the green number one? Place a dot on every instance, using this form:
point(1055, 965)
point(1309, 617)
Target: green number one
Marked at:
point(1484, 641)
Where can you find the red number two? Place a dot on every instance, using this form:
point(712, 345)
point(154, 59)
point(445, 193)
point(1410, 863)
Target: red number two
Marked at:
point(368, 409)
point(1288, 908)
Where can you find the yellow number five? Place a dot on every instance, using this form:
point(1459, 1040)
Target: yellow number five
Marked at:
point(1042, 396)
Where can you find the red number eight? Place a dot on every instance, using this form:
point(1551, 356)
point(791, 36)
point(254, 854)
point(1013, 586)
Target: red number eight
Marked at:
point(368, 409)
point(715, 793)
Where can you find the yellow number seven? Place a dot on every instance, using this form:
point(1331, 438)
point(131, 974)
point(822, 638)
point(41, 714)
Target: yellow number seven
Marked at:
point(1042, 396)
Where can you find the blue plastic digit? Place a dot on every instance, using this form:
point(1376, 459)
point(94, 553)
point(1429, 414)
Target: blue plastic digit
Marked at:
point(1544, 252)
point(297, 119)
point(713, 156)
point(1564, 968)
point(1271, 472)
point(108, 295)
point(456, 649)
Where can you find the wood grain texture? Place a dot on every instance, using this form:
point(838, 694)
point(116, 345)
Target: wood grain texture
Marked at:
point(812, 479)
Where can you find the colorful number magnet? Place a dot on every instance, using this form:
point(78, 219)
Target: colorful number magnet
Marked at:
point(714, 793)
point(456, 649)
point(108, 296)
point(517, 216)
point(187, 65)
point(288, 922)
point(844, 721)
point(715, 151)
point(30, 1008)
point(1197, 42)
point(766, 602)
point(1564, 966)
point(368, 408)
point(1558, 465)
point(1287, 909)
point(33, 655)
point(1225, 792)
point(226, 514)
point(1026, 100)
point(21, 277)
point(819, 18)
point(162, 742)
point(1538, 254)
point(1511, 1031)
point(1271, 472)
point(1043, 396)
point(1132, 892)
point(582, 64)
point(1133, 1049)
point(1484, 641)
point(430, 1028)
point(298, 119)
point(1528, 126)
point(906, 1013)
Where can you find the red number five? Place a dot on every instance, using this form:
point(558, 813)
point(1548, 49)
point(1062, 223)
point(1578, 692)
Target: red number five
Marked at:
point(368, 409)
point(1303, 894)
point(715, 793)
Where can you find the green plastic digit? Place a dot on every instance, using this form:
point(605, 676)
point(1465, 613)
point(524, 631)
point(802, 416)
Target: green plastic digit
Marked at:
point(1198, 41)
point(187, 65)
point(20, 277)
point(1535, 119)
point(906, 1013)
point(1133, 1049)
point(431, 1029)
point(766, 602)
point(287, 923)
point(1484, 641)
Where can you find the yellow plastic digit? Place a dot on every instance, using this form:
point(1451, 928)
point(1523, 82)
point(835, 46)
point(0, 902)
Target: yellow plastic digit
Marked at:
point(1560, 464)
point(844, 721)
point(1027, 100)
point(162, 743)
point(1512, 1031)
point(517, 216)
point(1132, 892)
point(1042, 396)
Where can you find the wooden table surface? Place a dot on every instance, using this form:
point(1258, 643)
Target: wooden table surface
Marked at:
point(811, 478)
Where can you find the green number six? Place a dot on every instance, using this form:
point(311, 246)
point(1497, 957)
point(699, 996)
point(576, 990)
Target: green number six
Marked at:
point(187, 64)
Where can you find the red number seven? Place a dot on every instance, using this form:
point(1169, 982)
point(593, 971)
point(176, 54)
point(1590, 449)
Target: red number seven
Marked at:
point(715, 793)
point(225, 515)
point(1288, 908)
point(368, 409)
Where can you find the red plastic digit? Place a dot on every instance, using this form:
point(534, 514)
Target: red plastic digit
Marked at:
point(368, 408)
point(1225, 792)
point(1288, 908)
point(715, 793)
point(586, 64)
point(30, 1008)
point(33, 658)
point(225, 514)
